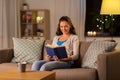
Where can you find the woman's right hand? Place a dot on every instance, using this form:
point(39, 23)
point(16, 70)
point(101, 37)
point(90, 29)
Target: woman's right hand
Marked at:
point(47, 58)
point(55, 58)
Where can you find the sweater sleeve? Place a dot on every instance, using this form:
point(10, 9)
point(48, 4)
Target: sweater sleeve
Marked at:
point(75, 41)
point(54, 43)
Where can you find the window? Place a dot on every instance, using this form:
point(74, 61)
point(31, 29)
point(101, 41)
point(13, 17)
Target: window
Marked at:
point(100, 25)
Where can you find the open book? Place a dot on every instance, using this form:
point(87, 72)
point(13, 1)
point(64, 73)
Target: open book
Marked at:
point(60, 52)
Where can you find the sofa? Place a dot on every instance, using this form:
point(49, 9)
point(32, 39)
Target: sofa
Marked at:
point(108, 65)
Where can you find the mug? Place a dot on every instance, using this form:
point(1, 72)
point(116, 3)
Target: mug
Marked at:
point(22, 66)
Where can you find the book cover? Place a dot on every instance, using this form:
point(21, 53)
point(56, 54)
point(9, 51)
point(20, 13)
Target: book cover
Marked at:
point(60, 52)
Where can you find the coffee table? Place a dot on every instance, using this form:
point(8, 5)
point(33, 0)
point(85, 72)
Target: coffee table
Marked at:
point(28, 75)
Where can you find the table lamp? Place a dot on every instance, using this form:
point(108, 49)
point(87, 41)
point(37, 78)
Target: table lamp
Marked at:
point(110, 7)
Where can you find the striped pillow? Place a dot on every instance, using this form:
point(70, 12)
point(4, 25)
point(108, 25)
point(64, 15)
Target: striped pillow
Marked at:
point(96, 48)
point(27, 50)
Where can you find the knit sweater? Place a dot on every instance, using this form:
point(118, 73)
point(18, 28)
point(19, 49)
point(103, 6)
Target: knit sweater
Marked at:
point(71, 45)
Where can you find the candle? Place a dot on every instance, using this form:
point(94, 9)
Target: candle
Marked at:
point(94, 33)
point(89, 33)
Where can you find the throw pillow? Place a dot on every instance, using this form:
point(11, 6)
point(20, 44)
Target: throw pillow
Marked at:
point(27, 50)
point(96, 48)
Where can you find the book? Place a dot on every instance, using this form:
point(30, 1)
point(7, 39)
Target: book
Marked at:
point(60, 52)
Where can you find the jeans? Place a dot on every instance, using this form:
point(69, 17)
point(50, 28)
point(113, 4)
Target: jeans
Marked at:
point(43, 65)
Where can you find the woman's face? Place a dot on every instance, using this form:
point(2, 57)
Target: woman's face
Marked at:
point(64, 27)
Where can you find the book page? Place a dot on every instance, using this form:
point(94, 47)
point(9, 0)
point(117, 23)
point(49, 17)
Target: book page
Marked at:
point(49, 45)
point(60, 52)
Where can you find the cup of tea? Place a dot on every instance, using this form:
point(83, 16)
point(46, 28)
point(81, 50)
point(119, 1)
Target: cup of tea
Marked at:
point(22, 66)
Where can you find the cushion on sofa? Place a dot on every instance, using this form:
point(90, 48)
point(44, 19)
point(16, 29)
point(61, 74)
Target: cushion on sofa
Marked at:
point(96, 48)
point(27, 50)
point(76, 74)
point(6, 55)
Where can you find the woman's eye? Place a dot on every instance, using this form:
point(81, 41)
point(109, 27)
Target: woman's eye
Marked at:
point(61, 26)
point(66, 26)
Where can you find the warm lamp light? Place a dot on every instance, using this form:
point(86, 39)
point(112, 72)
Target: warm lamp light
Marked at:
point(110, 7)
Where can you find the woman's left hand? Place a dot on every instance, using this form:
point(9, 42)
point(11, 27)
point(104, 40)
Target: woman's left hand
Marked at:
point(47, 58)
point(66, 59)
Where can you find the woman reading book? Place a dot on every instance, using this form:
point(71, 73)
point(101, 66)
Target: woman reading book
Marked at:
point(65, 36)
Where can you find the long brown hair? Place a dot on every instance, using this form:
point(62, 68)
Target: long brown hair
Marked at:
point(68, 20)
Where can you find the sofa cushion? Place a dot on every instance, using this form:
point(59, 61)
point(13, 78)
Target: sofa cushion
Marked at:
point(96, 48)
point(76, 74)
point(84, 45)
point(82, 50)
point(27, 50)
point(6, 55)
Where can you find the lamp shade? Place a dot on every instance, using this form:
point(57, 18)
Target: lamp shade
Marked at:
point(110, 7)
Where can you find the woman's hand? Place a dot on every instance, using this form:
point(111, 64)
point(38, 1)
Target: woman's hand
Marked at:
point(55, 58)
point(47, 58)
point(66, 59)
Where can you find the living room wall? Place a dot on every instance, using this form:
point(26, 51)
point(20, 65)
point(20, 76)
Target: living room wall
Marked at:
point(75, 9)
point(72, 8)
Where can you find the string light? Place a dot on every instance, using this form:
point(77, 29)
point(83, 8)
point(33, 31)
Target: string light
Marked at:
point(102, 20)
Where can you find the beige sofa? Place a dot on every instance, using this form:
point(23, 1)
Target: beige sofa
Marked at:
point(108, 65)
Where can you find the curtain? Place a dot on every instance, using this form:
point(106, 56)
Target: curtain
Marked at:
point(13, 8)
point(82, 16)
point(9, 24)
point(3, 25)
point(77, 11)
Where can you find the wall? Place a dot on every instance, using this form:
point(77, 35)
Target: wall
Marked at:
point(59, 8)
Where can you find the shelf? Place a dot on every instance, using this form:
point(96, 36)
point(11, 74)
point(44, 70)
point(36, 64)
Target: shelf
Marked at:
point(32, 21)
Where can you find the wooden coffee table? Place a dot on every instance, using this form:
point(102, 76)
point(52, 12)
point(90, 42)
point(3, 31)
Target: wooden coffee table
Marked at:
point(28, 75)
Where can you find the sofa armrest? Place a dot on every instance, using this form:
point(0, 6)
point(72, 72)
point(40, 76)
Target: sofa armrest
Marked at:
point(108, 66)
point(6, 55)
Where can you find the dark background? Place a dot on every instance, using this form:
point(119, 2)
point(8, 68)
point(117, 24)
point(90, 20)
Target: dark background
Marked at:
point(92, 12)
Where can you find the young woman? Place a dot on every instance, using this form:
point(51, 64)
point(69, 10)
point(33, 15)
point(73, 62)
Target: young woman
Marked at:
point(65, 36)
